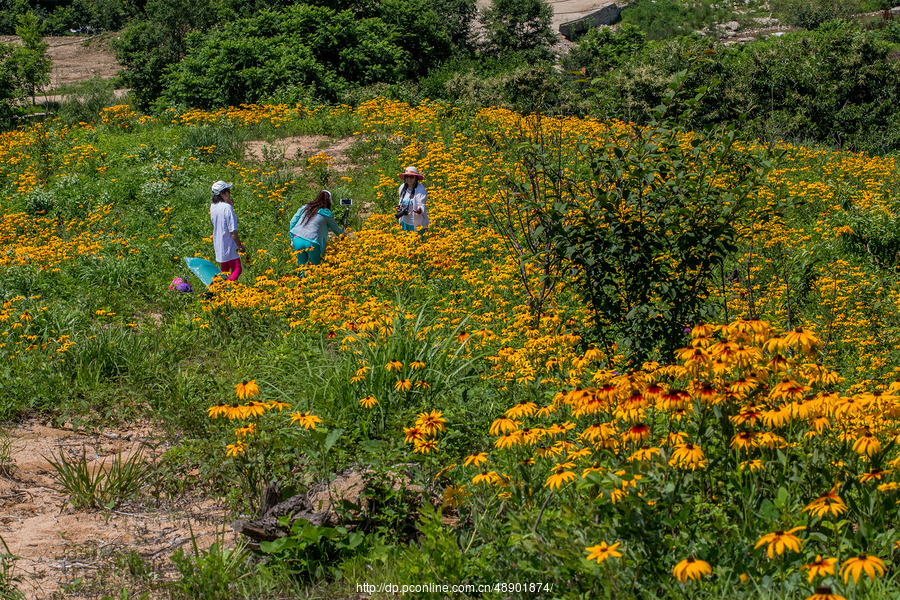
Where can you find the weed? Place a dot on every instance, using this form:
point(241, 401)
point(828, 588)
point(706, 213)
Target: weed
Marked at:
point(209, 574)
point(8, 589)
point(7, 464)
point(98, 488)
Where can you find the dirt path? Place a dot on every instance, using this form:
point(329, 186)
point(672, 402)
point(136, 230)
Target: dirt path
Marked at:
point(57, 545)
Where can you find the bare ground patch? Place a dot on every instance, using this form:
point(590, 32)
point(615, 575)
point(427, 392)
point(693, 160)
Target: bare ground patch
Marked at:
point(297, 149)
point(57, 544)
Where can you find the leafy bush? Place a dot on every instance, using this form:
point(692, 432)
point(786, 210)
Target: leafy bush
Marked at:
point(667, 19)
point(603, 48)
point(810, 14)
point(519, 26)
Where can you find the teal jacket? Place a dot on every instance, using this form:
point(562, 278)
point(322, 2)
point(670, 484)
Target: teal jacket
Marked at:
point(316, 231)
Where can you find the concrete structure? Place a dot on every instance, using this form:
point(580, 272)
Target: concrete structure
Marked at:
point(602, 14)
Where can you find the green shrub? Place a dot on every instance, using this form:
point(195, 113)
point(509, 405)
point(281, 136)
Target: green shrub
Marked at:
point(520, 26)
point(83, 102)
point(810, 14)
point(667, 19)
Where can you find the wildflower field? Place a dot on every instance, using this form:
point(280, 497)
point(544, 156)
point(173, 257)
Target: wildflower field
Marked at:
point(503, 444)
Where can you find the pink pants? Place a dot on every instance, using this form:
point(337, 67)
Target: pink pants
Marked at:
point(233, 267)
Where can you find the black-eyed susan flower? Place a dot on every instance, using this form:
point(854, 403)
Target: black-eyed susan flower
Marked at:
point(560, 475)
point(217, 410)
point(431, 422)
point(779, 541)
point(507, 440)
point(820, 567)
point(255, 409)
point(462, 337)
point(823, 592)
point(484, 477)
point(862, 563)
point(745, 440)
point(413, 434)
point(602, 551)
point(687, 456)
point(279, 405)
point(828, 503)
point(454, 496)
point(867, 444)
point(691, 568)
point(403, 385)
point(306, 420)
point(522, 409)
point(416, 365)
point(246, 389)
point(424, 446)
point(394, 365)
point(235, 449)
point(874, 474)
point(368, 402)
point(234, 411)
point(476, 459)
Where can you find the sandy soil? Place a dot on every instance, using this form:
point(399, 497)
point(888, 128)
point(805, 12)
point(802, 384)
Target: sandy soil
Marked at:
point(299, 148)
point(76, 59)
point(57, 545)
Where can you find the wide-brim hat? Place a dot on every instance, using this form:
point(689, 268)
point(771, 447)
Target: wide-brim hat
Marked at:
point(411, 171)
point(220, 186)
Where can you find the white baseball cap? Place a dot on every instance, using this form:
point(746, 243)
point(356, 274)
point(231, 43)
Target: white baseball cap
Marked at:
point(220, 186)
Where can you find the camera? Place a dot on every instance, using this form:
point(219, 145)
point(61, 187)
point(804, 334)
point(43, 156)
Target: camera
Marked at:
point(401, 211)
point(346, 201)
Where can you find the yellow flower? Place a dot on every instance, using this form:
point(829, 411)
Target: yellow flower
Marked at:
point(862, 563)
point(823, 592)
point(691, 568)
point(217, 410)
point(278, 405)
point(560, 475)
point(255, 409)
point(247, 389)
point(394, 365)
point(687, 456)
point(234, 449)
point(454, 496)
point(416, 365)
point(827, 503)
point(820, 567)
point(503, 425)
point(780, 541)
point(431, 422)
point(305, 420)
point(403, 384)
point(601, 552)
point(476, 459)
point(413, 434)
point(368, 402)
point(424, 446)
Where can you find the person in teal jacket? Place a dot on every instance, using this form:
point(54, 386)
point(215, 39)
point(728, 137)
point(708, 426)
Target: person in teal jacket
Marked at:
point(309, 229)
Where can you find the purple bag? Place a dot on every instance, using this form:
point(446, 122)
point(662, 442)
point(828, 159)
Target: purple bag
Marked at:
point(180, 285)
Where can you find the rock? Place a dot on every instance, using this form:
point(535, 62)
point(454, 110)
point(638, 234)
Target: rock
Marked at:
point(732, 25)
point(765, 21)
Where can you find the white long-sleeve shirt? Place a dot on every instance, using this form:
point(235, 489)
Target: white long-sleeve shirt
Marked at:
point(414, 199)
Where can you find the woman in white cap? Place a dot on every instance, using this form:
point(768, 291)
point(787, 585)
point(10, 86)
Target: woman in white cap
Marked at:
point(310, 226)
point(226, 240)
point(412, 211)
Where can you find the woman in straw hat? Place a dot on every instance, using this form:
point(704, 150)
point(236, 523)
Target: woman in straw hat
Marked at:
point(412, 211)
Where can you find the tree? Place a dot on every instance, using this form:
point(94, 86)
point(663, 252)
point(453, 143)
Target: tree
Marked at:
point(30, 61)
point(640, 219)
point(148, 48)
point(521, 26)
